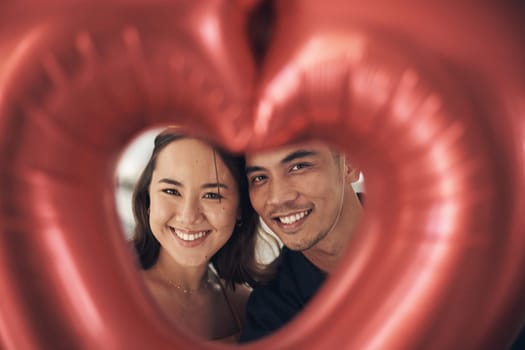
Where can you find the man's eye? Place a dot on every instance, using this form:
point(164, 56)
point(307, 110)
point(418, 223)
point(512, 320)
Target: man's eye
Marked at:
point(299, 166)
point(213, 195)
point(257, 179)
point(171, 191)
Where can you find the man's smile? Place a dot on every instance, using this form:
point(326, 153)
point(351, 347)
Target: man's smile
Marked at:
point(290, 219)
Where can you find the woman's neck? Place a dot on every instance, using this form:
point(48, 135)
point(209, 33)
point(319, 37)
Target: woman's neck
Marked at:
point(185, 278)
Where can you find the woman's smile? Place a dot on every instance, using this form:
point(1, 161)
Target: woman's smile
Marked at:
point(195, 237)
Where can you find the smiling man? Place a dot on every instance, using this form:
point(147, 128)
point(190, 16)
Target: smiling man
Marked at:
point(303, 193)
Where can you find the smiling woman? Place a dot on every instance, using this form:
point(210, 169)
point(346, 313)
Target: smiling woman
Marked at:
point(195, 234)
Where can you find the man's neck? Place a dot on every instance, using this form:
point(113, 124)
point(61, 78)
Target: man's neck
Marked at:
point(327, 253)
point(324, 261)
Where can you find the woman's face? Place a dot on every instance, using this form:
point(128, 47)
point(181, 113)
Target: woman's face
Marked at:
point(193, 204)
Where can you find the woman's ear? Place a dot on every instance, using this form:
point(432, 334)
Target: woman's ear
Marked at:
point(351, 171)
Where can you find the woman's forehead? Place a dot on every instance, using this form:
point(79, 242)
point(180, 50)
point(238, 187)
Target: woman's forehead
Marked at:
point(192, 158)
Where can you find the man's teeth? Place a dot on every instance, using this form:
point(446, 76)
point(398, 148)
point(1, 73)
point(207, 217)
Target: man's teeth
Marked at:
point(190, 236)
point(290, 219)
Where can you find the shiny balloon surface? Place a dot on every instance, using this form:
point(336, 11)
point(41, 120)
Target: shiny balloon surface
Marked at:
point(427, 97)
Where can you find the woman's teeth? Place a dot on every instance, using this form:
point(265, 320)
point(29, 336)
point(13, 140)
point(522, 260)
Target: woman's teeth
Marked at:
point(190, 236)
point(290, 219)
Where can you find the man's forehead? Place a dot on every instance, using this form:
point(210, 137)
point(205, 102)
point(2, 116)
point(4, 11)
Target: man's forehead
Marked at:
point(276, 155)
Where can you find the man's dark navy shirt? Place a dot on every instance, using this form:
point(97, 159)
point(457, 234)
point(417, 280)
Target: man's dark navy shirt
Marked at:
point(271, 306)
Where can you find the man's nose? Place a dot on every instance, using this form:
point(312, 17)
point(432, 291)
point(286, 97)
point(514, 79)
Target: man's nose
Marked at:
point(281, 192)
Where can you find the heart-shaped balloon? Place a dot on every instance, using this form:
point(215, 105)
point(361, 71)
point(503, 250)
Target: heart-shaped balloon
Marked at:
point(432, 114)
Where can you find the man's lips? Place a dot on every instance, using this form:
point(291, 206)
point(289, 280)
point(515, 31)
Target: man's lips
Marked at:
point(290, 219)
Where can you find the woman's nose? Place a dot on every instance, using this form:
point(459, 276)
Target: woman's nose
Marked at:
point(189, 211)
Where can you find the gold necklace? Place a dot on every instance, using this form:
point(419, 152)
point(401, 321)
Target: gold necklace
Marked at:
point(186, 290)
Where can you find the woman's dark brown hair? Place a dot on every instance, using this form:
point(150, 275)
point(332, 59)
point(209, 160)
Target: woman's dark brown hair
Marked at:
point(235, 261)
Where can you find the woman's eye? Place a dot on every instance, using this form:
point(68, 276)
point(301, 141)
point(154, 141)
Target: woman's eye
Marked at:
point(171, 191)
point(213, 195)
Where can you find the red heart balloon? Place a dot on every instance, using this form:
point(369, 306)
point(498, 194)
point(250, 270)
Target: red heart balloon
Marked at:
point(430, 118)
point(76, 85)
point(433, 116)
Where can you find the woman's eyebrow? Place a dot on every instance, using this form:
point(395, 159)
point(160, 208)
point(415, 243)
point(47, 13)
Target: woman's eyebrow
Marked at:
point(206, 185)
point(215, 185)
point(171, 182)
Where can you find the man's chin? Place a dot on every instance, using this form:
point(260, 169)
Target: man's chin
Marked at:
point(298, 246)
point(301, 244)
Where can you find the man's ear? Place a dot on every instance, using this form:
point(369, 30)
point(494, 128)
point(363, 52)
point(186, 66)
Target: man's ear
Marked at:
point(351, 171)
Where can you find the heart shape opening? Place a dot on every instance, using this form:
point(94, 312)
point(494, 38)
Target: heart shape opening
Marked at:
point(424, 263)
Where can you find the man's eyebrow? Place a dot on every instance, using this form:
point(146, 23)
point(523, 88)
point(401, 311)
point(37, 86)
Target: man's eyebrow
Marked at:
point(292, 156)
point(252, 169)
point(298, 154)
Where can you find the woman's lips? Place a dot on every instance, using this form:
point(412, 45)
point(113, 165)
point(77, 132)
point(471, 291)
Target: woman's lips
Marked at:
point(190, 237)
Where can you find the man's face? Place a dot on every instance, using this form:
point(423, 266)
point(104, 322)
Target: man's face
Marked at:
point(297, 190)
